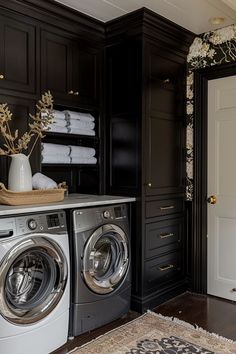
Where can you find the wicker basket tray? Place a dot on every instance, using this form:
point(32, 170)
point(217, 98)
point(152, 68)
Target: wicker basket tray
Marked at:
point(31, 197)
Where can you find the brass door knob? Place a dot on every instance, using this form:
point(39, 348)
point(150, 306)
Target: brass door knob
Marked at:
point(71, 92)
point(1, 77)
point(212, 199)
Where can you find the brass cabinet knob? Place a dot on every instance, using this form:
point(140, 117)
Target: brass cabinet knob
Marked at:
point(212, 199)
point(149, 185)
point(1, 76)
point(71, 92)
point(76, 93)
point(166, 81)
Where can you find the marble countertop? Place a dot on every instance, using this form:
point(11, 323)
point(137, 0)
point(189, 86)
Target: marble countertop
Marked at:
point(70, 202)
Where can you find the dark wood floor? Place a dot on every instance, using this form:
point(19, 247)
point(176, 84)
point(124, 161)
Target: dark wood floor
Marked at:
point(211, 313)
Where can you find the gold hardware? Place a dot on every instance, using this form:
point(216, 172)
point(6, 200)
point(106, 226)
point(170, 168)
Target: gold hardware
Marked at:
point(76, 93)
point(166, 81)
point(167, 207)
point(1, 77)
point(149, 184)
point(71, 92)
point(166, 235)
point(212, 199)
point(166, 267)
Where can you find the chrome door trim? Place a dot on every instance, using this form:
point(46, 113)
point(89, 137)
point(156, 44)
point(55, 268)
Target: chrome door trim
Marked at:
point(108, 285)
point(52, 249)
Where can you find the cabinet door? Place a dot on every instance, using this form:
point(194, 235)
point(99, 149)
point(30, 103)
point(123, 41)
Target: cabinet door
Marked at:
point(85, 68)
point(17, 55)
point(165, 123)
point(56, 64)
point(20, 109)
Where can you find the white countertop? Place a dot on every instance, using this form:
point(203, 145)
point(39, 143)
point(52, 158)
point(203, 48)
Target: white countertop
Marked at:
point(70, 202)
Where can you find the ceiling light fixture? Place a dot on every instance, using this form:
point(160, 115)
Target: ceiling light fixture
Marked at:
point(216, 20)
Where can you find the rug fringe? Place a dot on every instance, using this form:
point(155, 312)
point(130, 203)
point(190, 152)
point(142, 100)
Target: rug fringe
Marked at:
point(190, 326)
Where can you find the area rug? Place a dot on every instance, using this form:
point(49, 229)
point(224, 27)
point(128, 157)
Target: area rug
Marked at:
point(155, 334)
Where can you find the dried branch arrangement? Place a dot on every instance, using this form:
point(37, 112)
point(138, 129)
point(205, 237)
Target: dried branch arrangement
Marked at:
point(13, 144)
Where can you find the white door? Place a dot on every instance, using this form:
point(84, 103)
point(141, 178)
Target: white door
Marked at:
point(222, 184)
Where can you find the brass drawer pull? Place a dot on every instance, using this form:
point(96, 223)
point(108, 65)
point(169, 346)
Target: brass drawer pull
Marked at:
point(167, 207)
point(1, 76)
point(166, 235)
point(76, 93)
point(166, 81)
point(71, 92)
point(165, 267)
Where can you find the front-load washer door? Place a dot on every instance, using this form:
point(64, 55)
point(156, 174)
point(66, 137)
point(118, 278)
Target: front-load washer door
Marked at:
point(106, 259)
point(33, 276)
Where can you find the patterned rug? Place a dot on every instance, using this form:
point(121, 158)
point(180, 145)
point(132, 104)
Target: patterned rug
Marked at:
point(156, 334)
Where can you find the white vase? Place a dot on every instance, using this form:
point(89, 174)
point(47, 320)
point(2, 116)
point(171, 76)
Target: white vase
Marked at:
point(20, 175)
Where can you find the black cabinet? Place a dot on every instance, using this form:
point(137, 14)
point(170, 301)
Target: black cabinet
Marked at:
point(146, 132)
point(17, 54)
point(69, 67)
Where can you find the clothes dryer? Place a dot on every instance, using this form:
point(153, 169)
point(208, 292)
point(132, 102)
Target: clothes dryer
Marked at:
point(34, 283)
point(101, 281)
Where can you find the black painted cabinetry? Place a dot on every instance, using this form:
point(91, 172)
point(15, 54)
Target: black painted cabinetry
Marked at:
point(69, 68)
point(146, 64)
point(17, 54)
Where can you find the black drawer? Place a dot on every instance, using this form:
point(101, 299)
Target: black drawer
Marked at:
point(161, 270)
point(164, 207)
point(163, 236)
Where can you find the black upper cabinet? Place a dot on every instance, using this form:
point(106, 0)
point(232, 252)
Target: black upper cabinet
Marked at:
point(164, 122)
point(68, 69)
point(17, 55)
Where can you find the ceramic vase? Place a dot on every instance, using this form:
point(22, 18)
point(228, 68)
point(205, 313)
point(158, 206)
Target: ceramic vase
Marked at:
point(20, 175)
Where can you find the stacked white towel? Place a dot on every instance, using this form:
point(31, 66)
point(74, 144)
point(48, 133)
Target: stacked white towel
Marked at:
point(55, 153)
point(82, 155)
point(80, 123)
point(59, 124)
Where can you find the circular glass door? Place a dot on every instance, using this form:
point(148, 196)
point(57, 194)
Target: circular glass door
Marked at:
point(106, 259)
point(33, 278)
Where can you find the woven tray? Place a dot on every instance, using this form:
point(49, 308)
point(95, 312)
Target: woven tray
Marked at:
point(31, 197)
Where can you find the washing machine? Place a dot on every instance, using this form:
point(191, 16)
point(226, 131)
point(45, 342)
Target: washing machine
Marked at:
point(101, 272)
point(34, 283)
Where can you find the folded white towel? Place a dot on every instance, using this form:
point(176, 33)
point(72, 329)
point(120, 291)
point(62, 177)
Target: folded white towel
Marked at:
point(48, 148)
point(41, 181)
point(79, 124)
point(80, 160)
point(57, 129)
point(81, 131)
point(58, 114)
point(81, 151)
point(55, 158)
point(59, 123)
point(85, 117)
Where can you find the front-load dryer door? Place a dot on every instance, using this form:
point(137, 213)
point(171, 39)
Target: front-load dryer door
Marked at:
point(33, 278)
point(106, 259)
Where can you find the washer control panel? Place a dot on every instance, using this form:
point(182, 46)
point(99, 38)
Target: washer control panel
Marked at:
point(52, 223)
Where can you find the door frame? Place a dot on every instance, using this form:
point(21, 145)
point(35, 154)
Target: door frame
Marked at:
point(199, 211)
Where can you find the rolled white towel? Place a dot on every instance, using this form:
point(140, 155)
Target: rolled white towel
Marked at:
point(57, 129)
point(82, 151)
point(80, 160)
point(41, 181)
point(48, 148)
point(81, 131)
point(85, 117)
point(55, 158)
point(79, 124)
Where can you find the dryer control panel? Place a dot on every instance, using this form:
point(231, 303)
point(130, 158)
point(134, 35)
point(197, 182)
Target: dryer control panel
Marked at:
point(85, 219)
point(52, 223)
